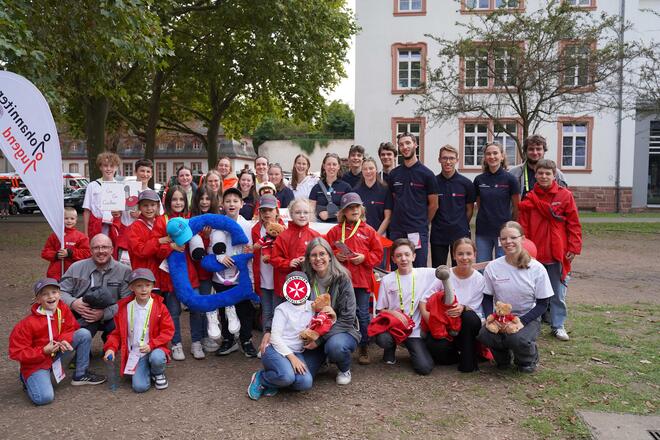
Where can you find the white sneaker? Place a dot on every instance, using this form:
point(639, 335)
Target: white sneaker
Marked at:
point(344, 378)
point(177, 352)
point(209, 345)
point(561, 334)
point(197, 351)
point(213, 325)
point(232, 320)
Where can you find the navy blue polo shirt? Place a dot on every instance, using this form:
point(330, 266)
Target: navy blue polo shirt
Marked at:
point(376, 200)
point(410, 188)
point(450, 222)
point(247, 211)
point(285, 196)
point(494, 192)
point(335, 191)
point(351, 178)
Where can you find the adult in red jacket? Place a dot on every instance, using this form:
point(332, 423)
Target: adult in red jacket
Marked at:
point(360, 252)
point(549, 217)
point(76, 247)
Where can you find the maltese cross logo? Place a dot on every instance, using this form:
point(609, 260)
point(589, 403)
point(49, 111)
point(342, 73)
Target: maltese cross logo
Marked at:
point(296, 289)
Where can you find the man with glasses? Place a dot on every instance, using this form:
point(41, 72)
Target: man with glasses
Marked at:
point(456, 199)
point(100, 280)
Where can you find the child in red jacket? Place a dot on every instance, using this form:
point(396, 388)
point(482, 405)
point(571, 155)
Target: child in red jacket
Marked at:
point(143, 245)
point(76, 247)
point(358, 247)
point(40, 340)
point(549, 217)
point(143, 330)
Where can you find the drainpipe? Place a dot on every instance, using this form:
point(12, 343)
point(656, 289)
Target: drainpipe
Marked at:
point(619, 121)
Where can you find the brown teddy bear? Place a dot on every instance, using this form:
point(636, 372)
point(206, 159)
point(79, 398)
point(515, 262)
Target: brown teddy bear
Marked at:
point(322, 322)
point(265, 243)
point(502, 320)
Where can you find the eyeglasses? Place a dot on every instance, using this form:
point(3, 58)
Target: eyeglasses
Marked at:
point(448, 159)
point(506, 239)
point(101, 248)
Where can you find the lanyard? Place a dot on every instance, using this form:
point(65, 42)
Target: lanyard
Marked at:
point(49, 317)
point(412, 298)
point(526, 179)
point(146, 321)
point(343, 230)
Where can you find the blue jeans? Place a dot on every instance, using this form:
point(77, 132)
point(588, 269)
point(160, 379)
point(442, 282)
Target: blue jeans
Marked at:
point(205, 288)
point(558, 309)
point(38, 385)
point(421, 254)
point(196, 319)
point(268, 303)
point(362, 297)
point(337, 349)
point(278, 372)
point(485, 246)
point(149, 365)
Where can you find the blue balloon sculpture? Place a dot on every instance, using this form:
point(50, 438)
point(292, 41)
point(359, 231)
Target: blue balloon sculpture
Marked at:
point(179, 268)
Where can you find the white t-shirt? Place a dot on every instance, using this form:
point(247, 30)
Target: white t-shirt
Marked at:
point(92, 201)
point(288, 321)
point(304, 187)
point(470, 291)
point(230, 276)
point(518, 287)
point(265, 269)
point(426, 284)
point(139, 317)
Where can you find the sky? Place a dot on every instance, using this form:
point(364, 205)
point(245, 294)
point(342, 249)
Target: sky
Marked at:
point(345, 91)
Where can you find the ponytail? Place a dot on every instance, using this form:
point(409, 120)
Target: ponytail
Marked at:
point(523, 258)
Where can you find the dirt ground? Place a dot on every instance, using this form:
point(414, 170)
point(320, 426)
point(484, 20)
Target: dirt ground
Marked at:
point(207, 399)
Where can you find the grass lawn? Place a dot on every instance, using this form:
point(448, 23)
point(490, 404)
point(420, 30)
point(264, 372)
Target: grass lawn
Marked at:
point(614, 214)
point(610, 364)
point(607, 228)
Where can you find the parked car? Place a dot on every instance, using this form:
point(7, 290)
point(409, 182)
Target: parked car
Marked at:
point(75, 199)
point(25, 203)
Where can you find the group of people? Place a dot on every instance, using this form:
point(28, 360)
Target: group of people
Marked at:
point(114, 278)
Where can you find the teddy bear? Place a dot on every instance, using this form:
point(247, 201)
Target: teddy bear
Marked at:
point(265, 243)
point(497, 322)
point(322, 321)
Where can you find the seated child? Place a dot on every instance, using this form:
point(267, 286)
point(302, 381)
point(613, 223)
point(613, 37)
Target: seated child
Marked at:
point(143, 330)
point(76, 247)
point(39, 341)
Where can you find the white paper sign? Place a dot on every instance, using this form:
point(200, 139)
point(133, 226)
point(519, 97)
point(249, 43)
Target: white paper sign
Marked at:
point(132, 361)
point(58, 371)
point(132, 190)
point(112, 196)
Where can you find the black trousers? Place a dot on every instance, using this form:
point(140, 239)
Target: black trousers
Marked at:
point(439, 254)
point(462, 349)
point(419, 356)
point(522, 344)
point(245, 312)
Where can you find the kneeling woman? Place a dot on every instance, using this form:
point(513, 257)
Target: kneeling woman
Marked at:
point(403, 290)
point(469, 288)
point(518, 280)
point(327, 275)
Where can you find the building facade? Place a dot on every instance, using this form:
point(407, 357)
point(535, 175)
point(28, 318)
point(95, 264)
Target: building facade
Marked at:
point(392, 53)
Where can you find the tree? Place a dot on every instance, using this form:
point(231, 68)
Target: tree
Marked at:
point(647, 82)
point(339, 120)
point(532, 67)
point(247, 58)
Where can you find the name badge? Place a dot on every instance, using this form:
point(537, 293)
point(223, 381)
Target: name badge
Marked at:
point(132, 361)
point(58, 371)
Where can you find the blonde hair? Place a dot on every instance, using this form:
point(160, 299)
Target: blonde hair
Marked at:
point(449, 148)
point(71, 210)
point(108, 157)
point(304, 201)
point(340, 214)
point(522, 259)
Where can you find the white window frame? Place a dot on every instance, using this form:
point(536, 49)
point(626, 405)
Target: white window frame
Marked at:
point(74, 168)
point(161, 172)
point(507, 141)
point(479, 139)
point(127, 169)
point(576, 58)
point(478, 59)
point(407, 6)
point(573, 146)
point(409, 56)
point(196, 167)
point(508, 77)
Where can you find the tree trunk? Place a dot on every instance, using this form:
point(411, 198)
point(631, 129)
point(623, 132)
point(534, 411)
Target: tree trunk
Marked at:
point(212, 141)
point(152, 120)
point(96, 114)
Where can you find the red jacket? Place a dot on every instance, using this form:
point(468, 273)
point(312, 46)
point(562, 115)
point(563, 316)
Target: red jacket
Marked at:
point(550, 219)
point(30, 335)
point(143, 246)
point(290, 244)
point(395, 322)
point(75, 242)
point(256, 267)
point(164, 280)
point(440, 324)
point(161, 328)
point(365, 241)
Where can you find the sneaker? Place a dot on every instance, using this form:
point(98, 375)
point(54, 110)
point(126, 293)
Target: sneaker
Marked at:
point(233, 323)
point(197, 351)
point(560, 333)
point(213, 325)
point(177, 352)
point(363, 356)
point(269, 392)
point(255, 389)
point(344, 377)
point(389, 357)
point(248, 349)
point(209, 345)
point(527, 368)
point(228, 346)
point(160, 381)
point(502, 358)
point(88, 378)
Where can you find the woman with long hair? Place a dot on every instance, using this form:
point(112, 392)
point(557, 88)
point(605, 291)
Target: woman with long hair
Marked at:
point(326, 195)
point(302, 180)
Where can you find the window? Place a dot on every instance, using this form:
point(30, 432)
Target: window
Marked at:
point(73, 168)
point(176, 166)
point(476, 133)
point(86, 168)
point(487, 6)
point(196, 146)
point(408, 67)
point(196, 167)
point(575, 138)
point(415, 126)
point(409, 7)
point(179, 146)
point(161, 172)
point(128, 169)
point(582, 4)
point(488, 69)
point(74, 147)
point(162, 146)
point(653, 191)
point(576, 61)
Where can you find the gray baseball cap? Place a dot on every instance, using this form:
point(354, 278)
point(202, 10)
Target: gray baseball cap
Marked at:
point(43, 283)
point(141, 274)
point(148, 194)
point(349, 199)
